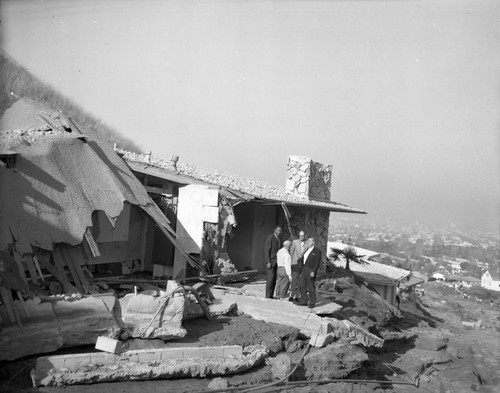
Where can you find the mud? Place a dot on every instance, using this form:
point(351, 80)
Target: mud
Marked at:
point(457, 359)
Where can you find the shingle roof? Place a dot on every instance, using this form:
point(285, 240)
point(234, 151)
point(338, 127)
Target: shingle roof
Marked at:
point(259, 189)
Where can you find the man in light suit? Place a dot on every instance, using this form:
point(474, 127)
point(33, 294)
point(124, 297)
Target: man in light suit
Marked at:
point(271, 248)
point(297, 249)
point(311, 260)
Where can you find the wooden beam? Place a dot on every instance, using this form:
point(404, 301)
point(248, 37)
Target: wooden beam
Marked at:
point(9, 303)
point(60, 276)
point(37, 265)
point(20, 266)
point(91, 243)
point(155, 190)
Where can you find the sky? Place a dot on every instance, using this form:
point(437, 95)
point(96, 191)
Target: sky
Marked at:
point(400, 97)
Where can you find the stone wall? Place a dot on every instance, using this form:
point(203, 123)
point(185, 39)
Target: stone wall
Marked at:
point(308, 178)
point(314, 222)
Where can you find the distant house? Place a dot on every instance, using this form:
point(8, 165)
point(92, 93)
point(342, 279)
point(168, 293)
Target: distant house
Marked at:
point(68, 205)
point(438, 277)
point(218, 215)
point(383, 278)
point(471, 281)
point(491, 280)
point(412, 281)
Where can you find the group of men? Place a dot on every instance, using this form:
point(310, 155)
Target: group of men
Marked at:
point(291, 265)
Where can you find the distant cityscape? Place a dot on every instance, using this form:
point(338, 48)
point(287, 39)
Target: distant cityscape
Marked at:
point(450, 250)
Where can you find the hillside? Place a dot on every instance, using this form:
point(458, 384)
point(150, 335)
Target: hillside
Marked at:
point(22, 83)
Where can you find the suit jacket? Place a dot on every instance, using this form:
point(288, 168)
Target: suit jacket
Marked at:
point(296, 251)
point(313, 260)
point(271, 248)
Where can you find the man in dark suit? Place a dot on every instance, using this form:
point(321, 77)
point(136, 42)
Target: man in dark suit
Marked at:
point(310, 262)
point(271, 248)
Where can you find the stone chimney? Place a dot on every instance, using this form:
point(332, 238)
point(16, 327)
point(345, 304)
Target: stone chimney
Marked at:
point(308, 178)
point(173, 161)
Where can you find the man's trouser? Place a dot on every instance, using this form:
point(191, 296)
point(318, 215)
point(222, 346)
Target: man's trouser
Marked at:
point(282, 283)
point(307, 286)
point(271, 280)
point(295, 292)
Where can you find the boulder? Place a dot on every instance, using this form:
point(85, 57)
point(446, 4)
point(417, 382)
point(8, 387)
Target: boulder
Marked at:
point(281, 366)
point(431, 339)
point(415, 361)
point(218, 383)
point(337, 360)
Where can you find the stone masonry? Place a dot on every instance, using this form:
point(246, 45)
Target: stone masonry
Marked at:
point(308, 178)
point(314, 222)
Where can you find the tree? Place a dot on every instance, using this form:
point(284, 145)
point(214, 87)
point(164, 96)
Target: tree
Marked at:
point(349, 253)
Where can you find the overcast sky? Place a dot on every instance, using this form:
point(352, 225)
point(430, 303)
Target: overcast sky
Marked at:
point(401, 97)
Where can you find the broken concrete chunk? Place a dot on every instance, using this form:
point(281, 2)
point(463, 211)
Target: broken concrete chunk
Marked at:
point(147, 364)
point(138, 312)
point(281, 366)
point(324, 330)
point(82, 321)
point(107, 344)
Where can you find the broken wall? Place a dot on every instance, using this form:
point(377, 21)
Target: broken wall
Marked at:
point(50, 192)
point(197, 204)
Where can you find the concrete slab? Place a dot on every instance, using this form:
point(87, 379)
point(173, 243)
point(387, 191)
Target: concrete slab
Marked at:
point(221, 306)
point(82, 321)
point(40, 332)
point(323, 306)
point(148, 364)
point(322, 330)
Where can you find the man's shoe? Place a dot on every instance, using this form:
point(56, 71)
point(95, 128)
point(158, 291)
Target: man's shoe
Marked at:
point(291, 299)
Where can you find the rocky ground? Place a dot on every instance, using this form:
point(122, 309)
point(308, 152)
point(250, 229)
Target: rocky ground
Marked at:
point(426, 345)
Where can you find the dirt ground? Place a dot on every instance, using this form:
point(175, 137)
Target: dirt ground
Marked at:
point(429, 343)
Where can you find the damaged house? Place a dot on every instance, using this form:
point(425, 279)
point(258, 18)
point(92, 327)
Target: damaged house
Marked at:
point(69, 207)
point(221, 216)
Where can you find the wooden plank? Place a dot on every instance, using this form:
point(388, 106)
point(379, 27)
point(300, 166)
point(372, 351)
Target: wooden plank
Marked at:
point(31, 268)
point(74, 274)
point(20, 297)
point(59, 260)
point(37, 265)
point(91, 243)
point(8, 302)
point(154, 190)
point(111, 220)
point(60, 276)
point(20, 266)
point(79, 271)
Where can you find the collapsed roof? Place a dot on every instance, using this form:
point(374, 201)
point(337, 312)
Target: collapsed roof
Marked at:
point(53, 178)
